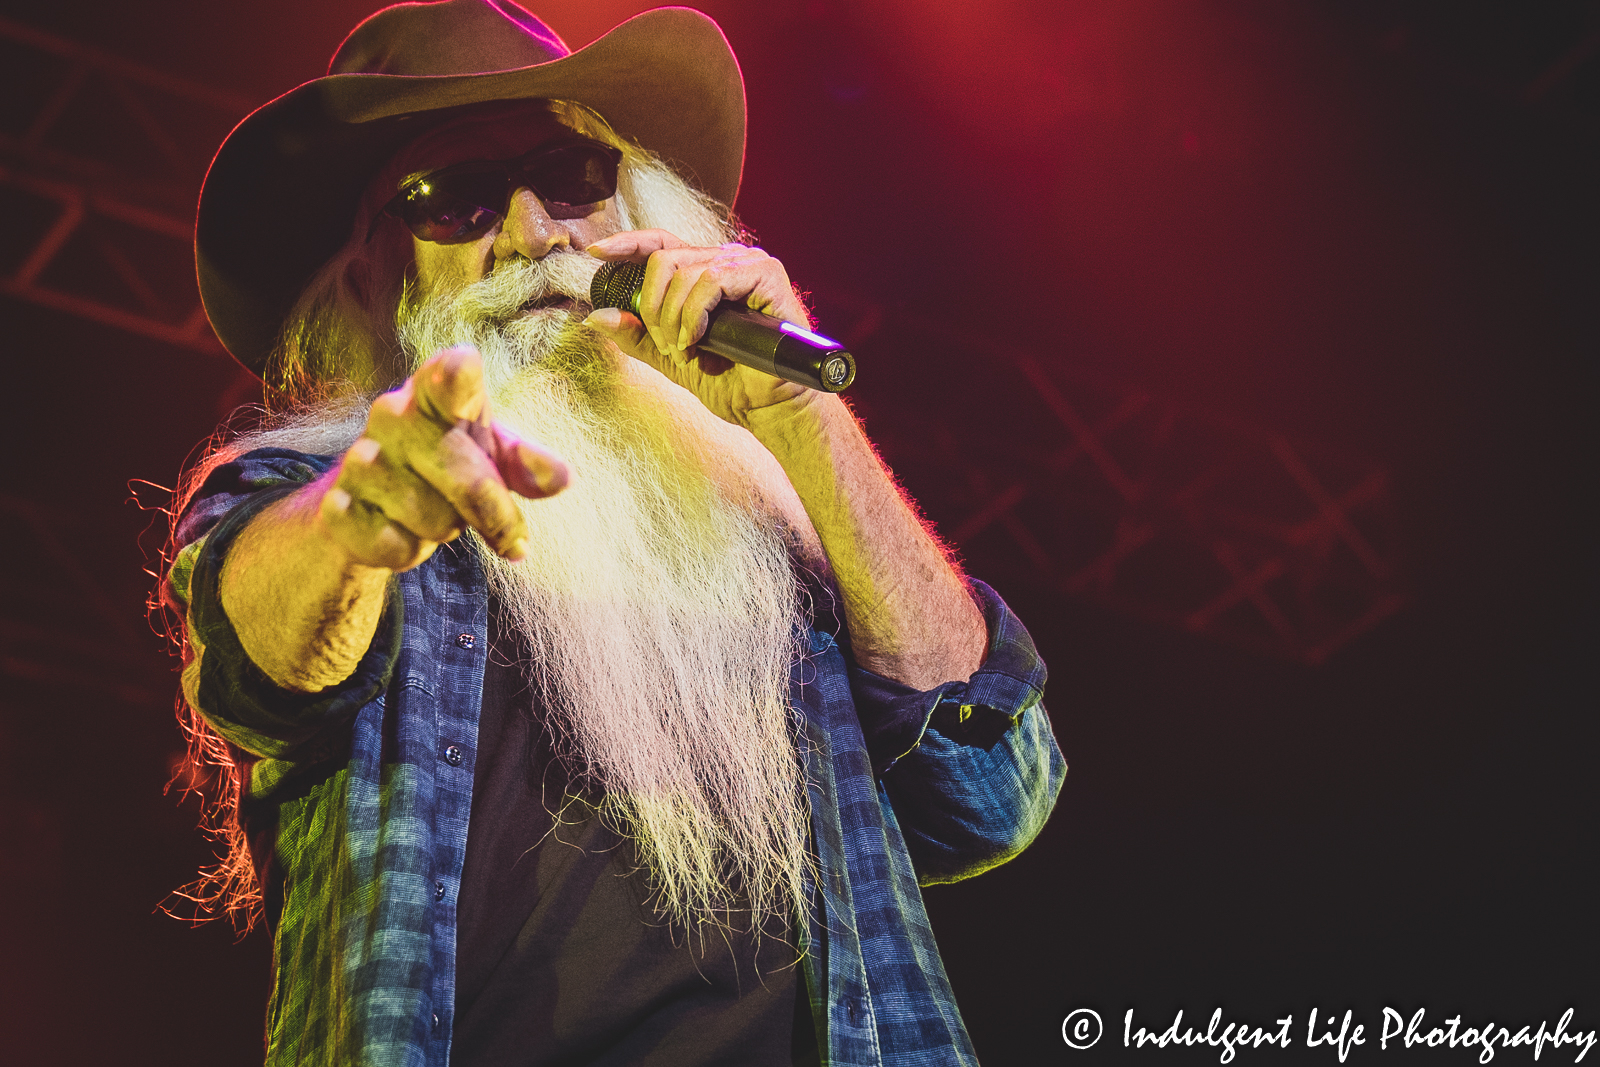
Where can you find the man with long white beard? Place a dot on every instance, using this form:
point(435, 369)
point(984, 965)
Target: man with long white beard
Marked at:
point(587, 698)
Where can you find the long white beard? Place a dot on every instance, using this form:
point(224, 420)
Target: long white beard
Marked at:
point(659, 600)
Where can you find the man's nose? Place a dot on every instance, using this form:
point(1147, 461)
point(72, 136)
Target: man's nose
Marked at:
point(528, 229)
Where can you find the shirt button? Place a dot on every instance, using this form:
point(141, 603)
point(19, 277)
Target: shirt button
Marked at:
point(436, 1022)
point(438, 891)
point(465, 641)
point(452, 755)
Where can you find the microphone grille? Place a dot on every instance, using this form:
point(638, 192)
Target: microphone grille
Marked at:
point(617, 285)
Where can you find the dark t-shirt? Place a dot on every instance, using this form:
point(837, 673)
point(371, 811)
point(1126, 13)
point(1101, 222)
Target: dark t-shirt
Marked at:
point(560, 960)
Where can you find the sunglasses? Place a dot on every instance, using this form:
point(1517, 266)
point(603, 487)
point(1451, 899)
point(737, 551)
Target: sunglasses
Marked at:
point(462, 202)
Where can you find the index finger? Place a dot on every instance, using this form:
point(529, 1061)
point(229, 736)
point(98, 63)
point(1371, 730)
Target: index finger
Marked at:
point(634, 245)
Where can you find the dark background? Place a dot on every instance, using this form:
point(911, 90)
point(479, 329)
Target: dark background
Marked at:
point(1371, 225)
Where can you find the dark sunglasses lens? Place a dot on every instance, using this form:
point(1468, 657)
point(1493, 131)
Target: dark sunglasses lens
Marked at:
point(456, 220)
point(573, 174)
point(461, 203)
point(454, 207)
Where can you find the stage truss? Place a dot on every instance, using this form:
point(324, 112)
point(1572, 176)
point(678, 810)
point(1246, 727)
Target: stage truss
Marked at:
point(1053, 479)
point(105, 156)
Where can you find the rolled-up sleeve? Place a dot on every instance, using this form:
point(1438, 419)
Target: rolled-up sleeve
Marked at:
point(221, 682)
point(971, 769)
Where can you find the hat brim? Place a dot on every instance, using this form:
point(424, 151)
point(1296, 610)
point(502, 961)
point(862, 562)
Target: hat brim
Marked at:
point(280, 196)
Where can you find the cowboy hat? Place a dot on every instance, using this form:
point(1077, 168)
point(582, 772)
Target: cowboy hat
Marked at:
point(280, 197)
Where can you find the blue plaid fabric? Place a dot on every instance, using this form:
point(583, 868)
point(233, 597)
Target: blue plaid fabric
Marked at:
point(359, 797)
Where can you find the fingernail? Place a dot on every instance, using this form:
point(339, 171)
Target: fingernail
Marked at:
point(683, 337)
point(518, 550)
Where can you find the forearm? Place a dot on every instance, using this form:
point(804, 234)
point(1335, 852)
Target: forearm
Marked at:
point(304, 612)
point(908, 611)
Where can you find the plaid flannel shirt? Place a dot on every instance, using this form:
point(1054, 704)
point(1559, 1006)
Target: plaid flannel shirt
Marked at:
point(358, 799)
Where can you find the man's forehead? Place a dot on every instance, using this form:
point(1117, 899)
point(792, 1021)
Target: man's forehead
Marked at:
point(502, 130)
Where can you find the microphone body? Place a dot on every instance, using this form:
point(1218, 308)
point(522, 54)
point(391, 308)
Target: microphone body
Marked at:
point(746, 337)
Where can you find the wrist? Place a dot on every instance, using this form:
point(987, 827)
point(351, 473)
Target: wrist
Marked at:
point(800, 426)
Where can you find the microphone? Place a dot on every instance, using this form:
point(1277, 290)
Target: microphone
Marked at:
point(747, 337)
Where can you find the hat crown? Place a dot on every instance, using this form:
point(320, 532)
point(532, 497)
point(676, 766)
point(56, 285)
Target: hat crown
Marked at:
point(448, 38)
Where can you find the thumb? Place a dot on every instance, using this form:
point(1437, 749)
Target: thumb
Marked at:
point(449, 386)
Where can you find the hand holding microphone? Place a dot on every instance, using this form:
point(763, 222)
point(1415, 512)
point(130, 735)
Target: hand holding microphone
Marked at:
point(741, 335)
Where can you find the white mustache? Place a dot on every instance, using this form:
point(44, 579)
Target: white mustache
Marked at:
point(515, 285)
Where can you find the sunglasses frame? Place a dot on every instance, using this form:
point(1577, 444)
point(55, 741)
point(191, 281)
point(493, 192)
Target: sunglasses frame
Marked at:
point(513, 174)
